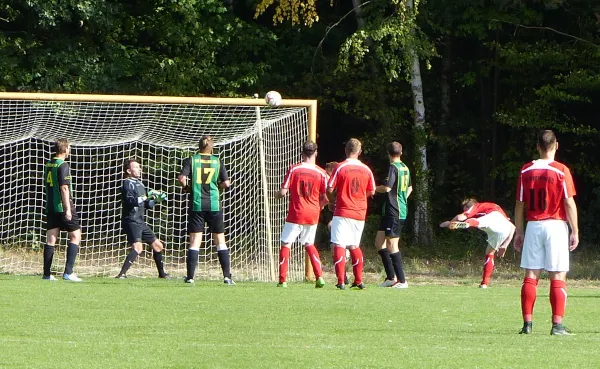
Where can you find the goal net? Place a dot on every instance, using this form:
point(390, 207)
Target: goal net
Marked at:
point(256, 143)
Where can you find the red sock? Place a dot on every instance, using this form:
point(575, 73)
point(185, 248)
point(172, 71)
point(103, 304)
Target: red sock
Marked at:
point(356, 256)
point(558, 299)
point(488, 269)
point(528, 295)
point(315, 261)
point(339, 261)
point(284, 262)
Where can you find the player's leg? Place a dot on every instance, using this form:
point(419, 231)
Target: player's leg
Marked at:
point(339, 234)
point(384, 253)
point(216, 226)
point(504, 246)
point(74, 235)
point(307, 238)
point(51, 239)
point(195, 229)
point(533, 261)
point(134, 238)
point(488, 266)
point(356, 255)
point(157, 248)
point(136, 250)
point(393, 244)
point(290, 232)
point(528, 297)
point(557, 265)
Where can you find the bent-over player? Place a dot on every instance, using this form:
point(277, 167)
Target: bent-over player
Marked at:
point(491, 219)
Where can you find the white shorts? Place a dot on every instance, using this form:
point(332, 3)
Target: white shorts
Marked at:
point(497, 228)
point(346, 231)
point(546, 246)
point(305, 233)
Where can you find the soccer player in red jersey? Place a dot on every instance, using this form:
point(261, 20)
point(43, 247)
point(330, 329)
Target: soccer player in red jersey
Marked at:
point(545, 193)
point(306, 183)
point(491, 219)
point(350, 185)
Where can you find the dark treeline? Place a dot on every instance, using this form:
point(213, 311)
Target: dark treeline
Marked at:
point(493, 74)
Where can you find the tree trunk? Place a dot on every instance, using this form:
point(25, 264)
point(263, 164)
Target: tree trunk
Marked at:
point(442, 131)
point(422, 226)
point(358, 13)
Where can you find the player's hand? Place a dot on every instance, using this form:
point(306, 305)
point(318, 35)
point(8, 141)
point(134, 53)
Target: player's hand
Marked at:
point(501, 251)
point(445, 224)
point(68, 215)
point(573, 241)
point(519, 238)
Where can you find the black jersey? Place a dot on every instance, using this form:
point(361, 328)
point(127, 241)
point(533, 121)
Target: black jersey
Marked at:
point(134, 198)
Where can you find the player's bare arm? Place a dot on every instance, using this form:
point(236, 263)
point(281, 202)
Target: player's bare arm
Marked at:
point(331, 197)
point(382, 189)
point(519, 223)
point(409, 191)
point(281, 193)
point(571, 210)
point(457, 218)
point(323, 200)
point(183, 181)
point(64, 195)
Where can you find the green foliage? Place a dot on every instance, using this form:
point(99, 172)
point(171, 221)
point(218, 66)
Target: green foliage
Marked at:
point(159, 47)
point(394, 36)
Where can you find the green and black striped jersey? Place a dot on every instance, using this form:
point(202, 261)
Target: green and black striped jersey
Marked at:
point(398, 179)
point(205, 172)
point(56, 173)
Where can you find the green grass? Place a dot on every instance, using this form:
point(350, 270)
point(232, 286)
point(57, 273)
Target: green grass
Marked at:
point(151, 323)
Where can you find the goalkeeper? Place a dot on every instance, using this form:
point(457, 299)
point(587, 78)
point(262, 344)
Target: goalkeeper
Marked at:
point(135, 201)
point(491, 219)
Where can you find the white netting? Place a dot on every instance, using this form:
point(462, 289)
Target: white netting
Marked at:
point(162, 135)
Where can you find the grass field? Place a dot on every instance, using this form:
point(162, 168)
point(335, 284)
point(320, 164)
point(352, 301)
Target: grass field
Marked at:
point(151, 323)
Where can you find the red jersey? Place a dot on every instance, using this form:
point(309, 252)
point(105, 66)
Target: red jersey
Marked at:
point(352, 180)
point(483, 208)
point(306, 183)
point(543, 186)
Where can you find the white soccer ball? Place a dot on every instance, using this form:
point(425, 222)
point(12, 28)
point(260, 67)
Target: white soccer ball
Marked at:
point(273, 98)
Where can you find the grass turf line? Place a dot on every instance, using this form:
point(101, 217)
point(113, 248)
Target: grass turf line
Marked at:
point(143, 323)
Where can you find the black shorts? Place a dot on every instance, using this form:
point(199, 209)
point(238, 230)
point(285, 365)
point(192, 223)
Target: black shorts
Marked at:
point(138, 232)
point(392, 226)
point(58, 220)
point(214, 219)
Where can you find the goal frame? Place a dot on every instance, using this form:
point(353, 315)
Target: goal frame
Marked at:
point(311, 106)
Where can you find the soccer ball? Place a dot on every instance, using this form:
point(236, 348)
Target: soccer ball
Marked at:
point(273, 98)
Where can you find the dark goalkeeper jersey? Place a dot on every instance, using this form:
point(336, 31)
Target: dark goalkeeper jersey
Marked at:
point(57, 173)
point(134, 200)
point(205, 172)
point(398, 179)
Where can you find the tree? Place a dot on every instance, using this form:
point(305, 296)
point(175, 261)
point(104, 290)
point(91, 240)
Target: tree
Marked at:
point(399, 46)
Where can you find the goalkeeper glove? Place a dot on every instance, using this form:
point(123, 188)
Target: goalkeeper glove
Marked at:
point(157, 196)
